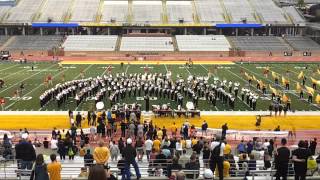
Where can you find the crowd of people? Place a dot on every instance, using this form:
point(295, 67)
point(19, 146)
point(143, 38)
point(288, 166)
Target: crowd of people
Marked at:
point(175, 152)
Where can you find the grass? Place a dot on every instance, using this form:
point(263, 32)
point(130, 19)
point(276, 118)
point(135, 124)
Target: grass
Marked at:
point(13, 74)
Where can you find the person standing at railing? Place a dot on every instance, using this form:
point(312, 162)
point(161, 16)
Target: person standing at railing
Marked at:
point(101, 154)
point(54, 168)
point(299, 158)
point(282, 156)
point(129, 154)
point(25, 153)
point(216, 158)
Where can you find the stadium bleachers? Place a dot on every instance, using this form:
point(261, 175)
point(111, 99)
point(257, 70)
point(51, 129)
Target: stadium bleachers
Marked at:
point(179, 10)
point(34, 42)
point(209, 11)
point(147, 11)
point(85, 11)
point(202, 43)
point(90, 43)
point(269, 12)
point(146, 44)
point(3, 39)
point(116, 10)
point(301, 43)
point(294, 14)
point(54, 10)
point(4, 10)
point(24, 12)
point(259, 43)
point(239, 10)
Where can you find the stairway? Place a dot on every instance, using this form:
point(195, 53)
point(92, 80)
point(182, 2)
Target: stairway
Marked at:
point(118, 43)
point(175, 43)
point(99, 11)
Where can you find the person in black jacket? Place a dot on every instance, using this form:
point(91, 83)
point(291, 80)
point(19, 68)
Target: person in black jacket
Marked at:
point(129, 154)
point(25, 153)
point(174, 166)
point(194, 166)
point(88, 159)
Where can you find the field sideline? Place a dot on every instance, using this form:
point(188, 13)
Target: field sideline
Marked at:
point(14, 74)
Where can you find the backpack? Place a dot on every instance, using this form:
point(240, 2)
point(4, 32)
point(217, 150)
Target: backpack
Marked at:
point(216, 151)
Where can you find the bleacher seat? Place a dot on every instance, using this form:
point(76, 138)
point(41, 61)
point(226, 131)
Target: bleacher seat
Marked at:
point(34, 43)
point(24, 11)
point(146, 44)
point(115, 10)
point(179, 10)
point(54, 10)
point(239, 11)
point(294, 14)
point(147, 11)
point(269, 12)
point(209, 11)
point(85, 11)
point(202, 43)
point(90, 43)
point(302, 43)
point(259, 43)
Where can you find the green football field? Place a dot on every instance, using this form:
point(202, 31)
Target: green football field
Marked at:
point(14, 74)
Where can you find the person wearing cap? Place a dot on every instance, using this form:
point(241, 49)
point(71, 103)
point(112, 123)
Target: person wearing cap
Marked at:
point(25, 153)
point(129, 154)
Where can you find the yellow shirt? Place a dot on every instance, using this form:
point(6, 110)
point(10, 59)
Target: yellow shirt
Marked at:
point(183, 144)
point(226, 167)
point(160, 134)
point(101, 155)
point(194, 141)
point(156, 145)
point(227, 149)
point(54, 170)
point(174, 128)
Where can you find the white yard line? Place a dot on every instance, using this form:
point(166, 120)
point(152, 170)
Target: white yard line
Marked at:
point(27, 78)
point(12, 74)
point(166, 67)
point(127, 69)
point(279, 86)
point(33, 90)
point(9, 67)
point(186, 68)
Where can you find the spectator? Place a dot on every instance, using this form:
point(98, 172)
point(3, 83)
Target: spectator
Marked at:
point(120, 145)
point(224, 131)
point(197, 148)
point(54, 168)
point(227, 149)
point(46, 143)
point(88, 159)
point(101, 154)
point(252, 163)
point(25, 153)
point(216, 158)
point(299, 158)
point(179, 147)
point(312, 166)
point(82, 151)
point(54, 143)
point(241, 147)
point(282, 156)
point(62, 149)
point(174, 166)
point(148, 146)
point(121, 164)
point(313, 146)
point(156, 144)
point(83, 172)
point(139, 148)
point(226, 168)
point(39, 170)
point(204, 127)
point(130, 154)
point(114, 150)
point(97, 172)
point(184, 158)
point(7, 147)
point(194, 166)
point(207, 173)
point(249, 147)
point(206, 154)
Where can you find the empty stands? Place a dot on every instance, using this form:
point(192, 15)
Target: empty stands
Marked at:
point(259, 43)
point(54, 10)
point(116, 11)
point(24, 12)
point(3, 39)
point(179, 10)
point(294, 15)
point(301, 43)
point(146, 44)
point(90, 43)
point(85, 11)
point(239, 11)
point(202, 43)
point(4, 10)
point(34, 43)
point(147, 11)
point(209, 11)
point(269, 11)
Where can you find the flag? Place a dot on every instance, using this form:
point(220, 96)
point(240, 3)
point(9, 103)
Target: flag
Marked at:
point(317, 99)
point(301, 74)
point(310, 90)
point(284, 80)
point(274, 75)
point(314, 81)
point(285, 98)
point(298, 87)
point(274, 91)
point(254, 78)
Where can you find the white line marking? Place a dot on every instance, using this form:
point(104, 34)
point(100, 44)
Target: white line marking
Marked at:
point(9, 67)
point(166, 67)
point(27, 78)
point(127, 69)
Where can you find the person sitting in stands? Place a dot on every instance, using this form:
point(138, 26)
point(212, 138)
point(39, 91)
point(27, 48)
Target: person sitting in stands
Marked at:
point(194, 166)
point(174, 166)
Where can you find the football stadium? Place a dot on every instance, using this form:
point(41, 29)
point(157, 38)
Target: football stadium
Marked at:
point(150, 89)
